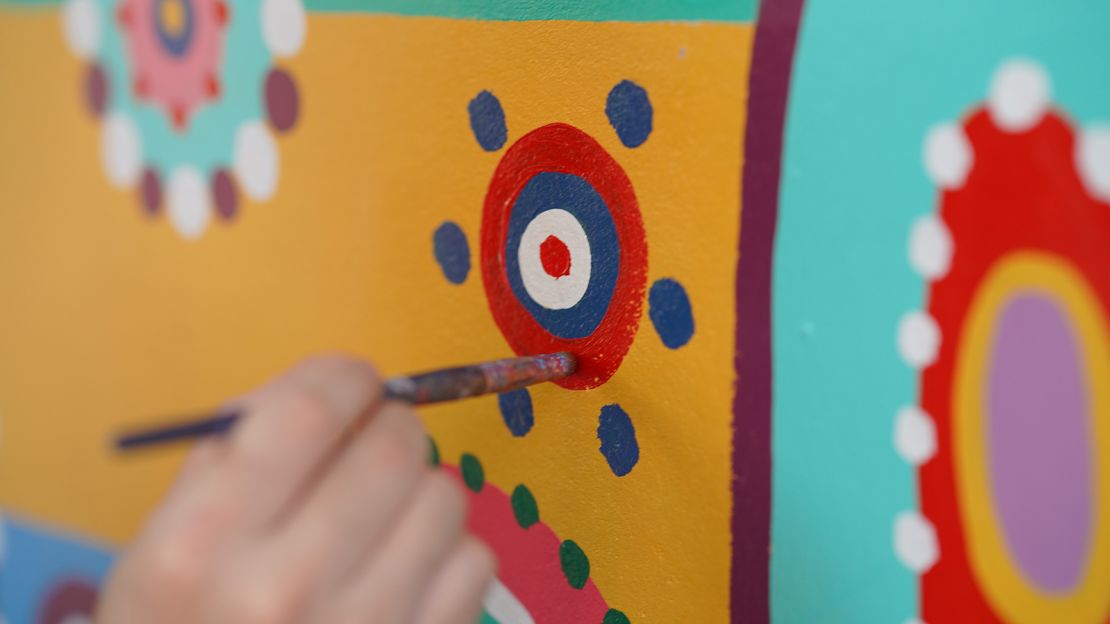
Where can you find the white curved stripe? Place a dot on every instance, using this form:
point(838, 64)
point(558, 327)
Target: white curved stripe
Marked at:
point(503, 606)
point(551, 292)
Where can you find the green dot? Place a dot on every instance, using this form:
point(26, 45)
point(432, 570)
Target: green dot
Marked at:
point(524, 507)
point(615, 617)
point(473, 476)
point(576, 566)
point(433, 452)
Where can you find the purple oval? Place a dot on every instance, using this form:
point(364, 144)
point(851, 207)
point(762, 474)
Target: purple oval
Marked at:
point(1039, 442)
point(283, 103)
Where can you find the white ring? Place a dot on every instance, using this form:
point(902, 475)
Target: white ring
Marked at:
point(555, 292)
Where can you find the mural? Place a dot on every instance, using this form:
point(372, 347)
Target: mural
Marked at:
point(836, 274)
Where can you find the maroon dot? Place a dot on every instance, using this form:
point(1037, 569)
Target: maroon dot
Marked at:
point(283, 103)
point(224, 194)
point(555, 257)
point(96, 89)
point(68, 598)
point(151, 191)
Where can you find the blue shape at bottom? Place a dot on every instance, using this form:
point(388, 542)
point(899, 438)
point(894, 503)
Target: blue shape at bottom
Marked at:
point(35, 560)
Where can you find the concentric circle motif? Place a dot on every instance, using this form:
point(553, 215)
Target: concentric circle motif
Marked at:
point(1012, 433)
point(189, 85)
point(564, 260)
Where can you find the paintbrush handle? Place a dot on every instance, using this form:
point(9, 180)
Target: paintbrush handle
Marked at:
point(489, 377)
point(431, 387)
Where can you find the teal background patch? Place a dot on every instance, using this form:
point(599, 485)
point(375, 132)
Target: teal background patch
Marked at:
point(207, 141)
point(870, 78)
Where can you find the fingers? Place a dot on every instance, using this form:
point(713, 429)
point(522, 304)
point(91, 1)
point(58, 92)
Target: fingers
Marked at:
point(389, 587)
point(456, 593)
point(364, 493)
point(291, 428)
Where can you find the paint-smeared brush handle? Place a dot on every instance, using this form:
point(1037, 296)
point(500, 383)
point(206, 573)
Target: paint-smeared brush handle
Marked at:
point(432, 387)
point(486, 378)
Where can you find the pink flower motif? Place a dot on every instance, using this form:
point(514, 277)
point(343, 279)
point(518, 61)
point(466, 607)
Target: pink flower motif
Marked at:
point(175, 48)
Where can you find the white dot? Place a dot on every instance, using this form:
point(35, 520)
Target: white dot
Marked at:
point(947, 155)
point(187, 202)
point(914, 620)
point(915, 541)
point(255, 161)
point(283, 26)
point(121, 150)
point(915, 435)
point(1020, 94)
point(76, 618)
point(1093, 156)
point(930, 249)
point(81, 26)
point(918, 339)
point(550, 291)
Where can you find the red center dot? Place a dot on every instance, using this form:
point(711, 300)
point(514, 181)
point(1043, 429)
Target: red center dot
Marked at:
point(555, 257)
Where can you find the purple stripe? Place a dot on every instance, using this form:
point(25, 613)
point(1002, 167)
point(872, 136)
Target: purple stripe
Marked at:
point(768, 90)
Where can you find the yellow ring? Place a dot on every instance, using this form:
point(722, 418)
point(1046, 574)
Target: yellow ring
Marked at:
point(1003, 582)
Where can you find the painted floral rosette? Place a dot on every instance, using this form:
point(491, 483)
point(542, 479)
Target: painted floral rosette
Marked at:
point(189, 98)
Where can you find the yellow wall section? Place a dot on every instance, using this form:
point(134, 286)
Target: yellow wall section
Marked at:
point(108, 317)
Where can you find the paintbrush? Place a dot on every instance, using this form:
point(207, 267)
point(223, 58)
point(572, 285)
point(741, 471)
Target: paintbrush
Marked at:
point(438, 386)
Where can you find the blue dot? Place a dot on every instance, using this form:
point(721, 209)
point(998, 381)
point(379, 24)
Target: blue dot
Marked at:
point(487, 120)
point(516, 411)
point(618, 439)
point(669, 309)
point(452, 252)
point(629, 112)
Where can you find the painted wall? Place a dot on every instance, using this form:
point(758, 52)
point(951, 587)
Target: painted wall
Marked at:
point(837, 273)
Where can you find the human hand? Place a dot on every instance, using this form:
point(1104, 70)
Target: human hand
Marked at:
point(318, 507)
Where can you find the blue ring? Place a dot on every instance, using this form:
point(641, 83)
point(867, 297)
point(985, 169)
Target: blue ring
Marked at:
point(178, 45)
point(547, 191)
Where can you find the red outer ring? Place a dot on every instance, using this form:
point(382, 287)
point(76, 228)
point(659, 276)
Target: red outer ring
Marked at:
point(561, 148)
